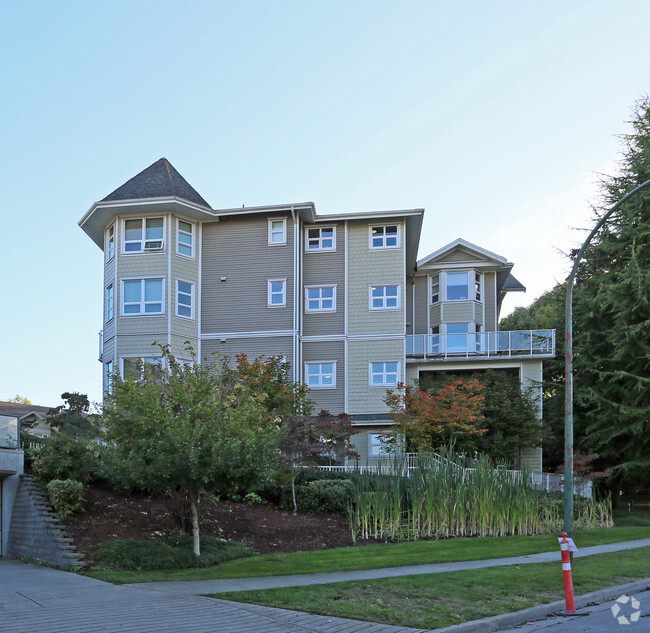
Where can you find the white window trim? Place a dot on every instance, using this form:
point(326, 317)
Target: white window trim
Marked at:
point(399, 296)
point(320, 310)
point(110, 237)
point(178, 242)
point(141, 314)
point(322, 362)
point(371, 445)
point(472, 277)
point(383, 385)
point(440, 295)
point(269, 293)
point(140, 358)
point(192, 298)
point(383, 248)
point(107, 318)
point(144, 251)
point(320, 250)
point(284, 231)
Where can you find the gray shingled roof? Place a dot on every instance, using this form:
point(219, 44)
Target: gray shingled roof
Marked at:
point(19, 410)
point(512, 284)
point(160, 180)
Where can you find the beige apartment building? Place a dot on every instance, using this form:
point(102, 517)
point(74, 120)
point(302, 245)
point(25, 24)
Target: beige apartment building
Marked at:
point(342, 298)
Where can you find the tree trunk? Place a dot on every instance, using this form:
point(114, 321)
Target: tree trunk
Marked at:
point(195, 524)
point(293, 494)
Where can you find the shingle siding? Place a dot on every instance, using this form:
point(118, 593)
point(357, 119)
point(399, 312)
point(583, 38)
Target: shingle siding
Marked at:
point(252, 347)
point(489, 294)
point(368, 267)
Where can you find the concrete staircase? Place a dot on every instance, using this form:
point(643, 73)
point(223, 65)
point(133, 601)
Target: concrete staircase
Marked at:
point(35, 531)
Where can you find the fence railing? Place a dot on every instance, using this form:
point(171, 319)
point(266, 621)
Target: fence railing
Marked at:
point(9, 432)
point(549, 482)
point(478, 344)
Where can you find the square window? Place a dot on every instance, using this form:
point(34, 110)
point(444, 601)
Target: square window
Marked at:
point(143, 234)
point(142, 296)
point(184, 299)
point(137, 368)
point(321, 375)
point(321, 239)
point(377, 445)
point(185, 239)
point(320, 299)
point(385, 374)
point(384, 297)
point(457, 286)
point(386, 236)
point(277, 293)
point(277, 232)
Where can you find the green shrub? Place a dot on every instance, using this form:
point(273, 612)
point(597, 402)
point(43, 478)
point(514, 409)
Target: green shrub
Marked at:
point(326, 496)
point(307, 475)
point(66, 496)
point(174, 552)
point(65, 457)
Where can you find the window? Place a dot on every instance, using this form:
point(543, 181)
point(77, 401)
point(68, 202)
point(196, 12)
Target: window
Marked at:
point(457, 337)
point(435, 288)
point(143, 234)
point(477, 285)
point(384, 236)
point(321, 239)
point(277, 232)
point(185, 239)
point(142, 296)
point(277, 293)
point(384, 374)
point(184, 299)
point(377, 445)
point(320, 299)
point(110, 243)
point(384, 297)
point(457, 286)
point(321, 375)
point(136, 368)
point(110, 303)
point(108, 376)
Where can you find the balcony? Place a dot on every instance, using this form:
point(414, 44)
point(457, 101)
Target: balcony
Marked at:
point(9, 432)
point(508, 344)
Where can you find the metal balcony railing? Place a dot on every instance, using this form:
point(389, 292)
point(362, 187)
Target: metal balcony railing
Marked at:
point(9, 432)
point(531, 343)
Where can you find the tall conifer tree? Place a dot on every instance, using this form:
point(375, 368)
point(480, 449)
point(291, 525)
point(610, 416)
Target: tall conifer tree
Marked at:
point(612, 321)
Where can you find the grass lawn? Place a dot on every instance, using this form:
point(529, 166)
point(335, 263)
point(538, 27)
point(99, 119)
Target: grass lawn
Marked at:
point(438, 600)
point(376, 556)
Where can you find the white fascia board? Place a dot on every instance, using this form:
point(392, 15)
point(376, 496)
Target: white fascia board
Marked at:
point(467, 245)
point(369, 215)
point(308, 207)
point(102, 213)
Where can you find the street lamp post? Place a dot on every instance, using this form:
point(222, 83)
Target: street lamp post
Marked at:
point(568, 366)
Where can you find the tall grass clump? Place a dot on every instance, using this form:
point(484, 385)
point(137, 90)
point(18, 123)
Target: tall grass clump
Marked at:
point(440, 499)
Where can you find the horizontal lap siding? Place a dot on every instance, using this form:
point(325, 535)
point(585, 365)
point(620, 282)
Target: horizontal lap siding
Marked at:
point(325, 268)
point(368, 267)
point(361, 442)
point(331, 399)
point(252, 347)
point(109, 279)
point(489, 290)
point(362, 397)
point(458, 312)
point(237, 249)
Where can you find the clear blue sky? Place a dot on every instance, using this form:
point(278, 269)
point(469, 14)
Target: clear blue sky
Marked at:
point(493, 116)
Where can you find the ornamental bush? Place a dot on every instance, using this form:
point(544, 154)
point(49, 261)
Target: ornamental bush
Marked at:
point(66, 496)
point(325, 496)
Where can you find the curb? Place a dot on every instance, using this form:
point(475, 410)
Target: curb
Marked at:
point(508, 620)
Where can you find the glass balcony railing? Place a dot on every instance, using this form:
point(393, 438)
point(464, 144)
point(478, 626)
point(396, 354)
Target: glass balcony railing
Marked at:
point(9, 432)
point(481, 344)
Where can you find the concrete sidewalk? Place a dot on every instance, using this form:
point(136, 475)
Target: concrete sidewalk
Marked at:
point(199, 587)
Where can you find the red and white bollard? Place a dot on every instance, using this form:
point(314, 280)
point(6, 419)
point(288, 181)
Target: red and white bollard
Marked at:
point(566, 571)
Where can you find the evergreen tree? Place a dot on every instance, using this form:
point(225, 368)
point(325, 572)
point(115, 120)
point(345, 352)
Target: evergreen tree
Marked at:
point(612, 321)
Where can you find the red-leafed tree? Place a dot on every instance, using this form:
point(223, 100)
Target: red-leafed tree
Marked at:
point(429, 419)
point(312, 440)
